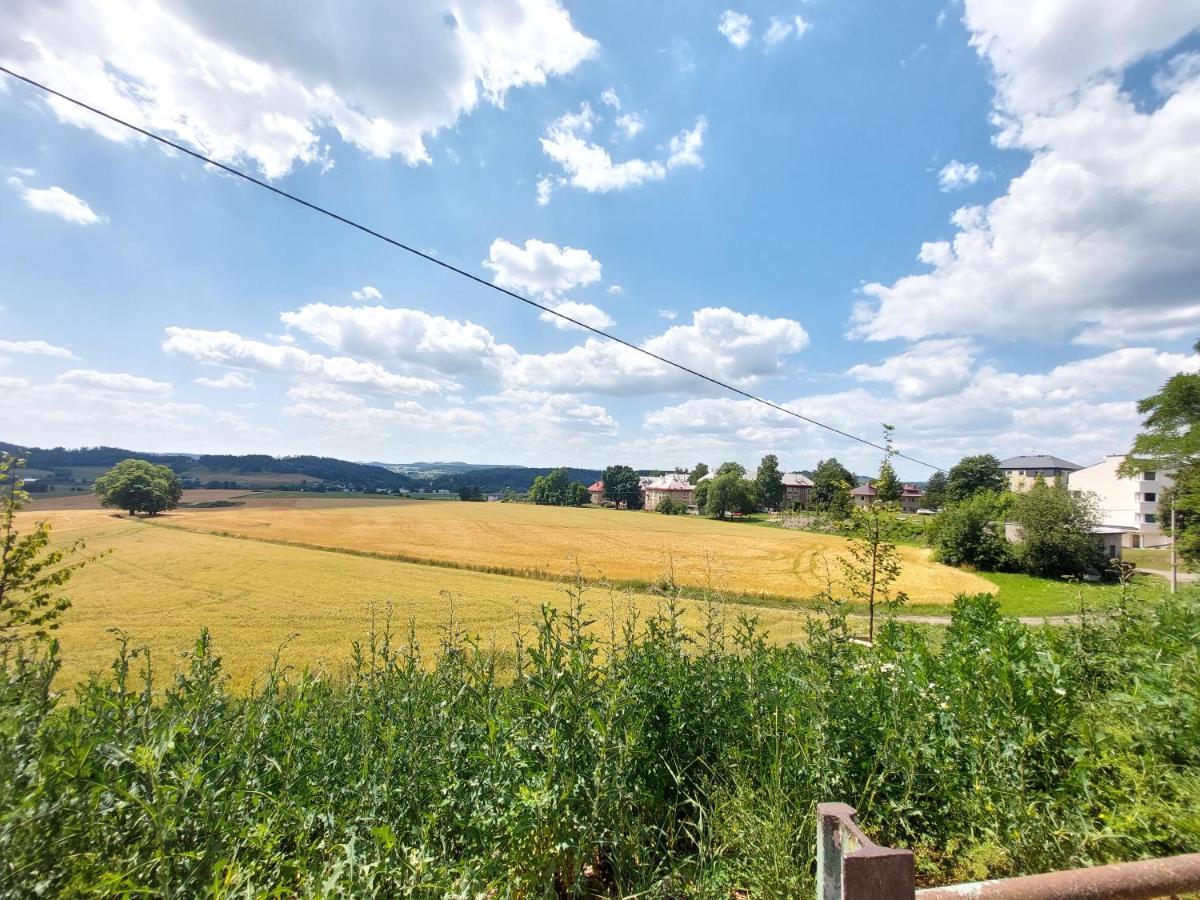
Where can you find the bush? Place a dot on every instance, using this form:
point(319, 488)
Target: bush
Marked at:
point(669, 507)
point(971, 533)
point(1056, 532)
point(662, 763)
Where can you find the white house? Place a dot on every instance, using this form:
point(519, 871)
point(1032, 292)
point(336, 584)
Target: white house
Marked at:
point(1131, 504)
point(673, 485)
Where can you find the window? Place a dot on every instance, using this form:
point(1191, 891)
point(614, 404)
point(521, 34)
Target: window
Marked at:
point(1149, 518)
point(1149, 476)
point(1149, 497)
point(1021, 472)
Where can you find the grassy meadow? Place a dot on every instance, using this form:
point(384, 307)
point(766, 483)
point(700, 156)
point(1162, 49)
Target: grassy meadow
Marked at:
point(163, 585)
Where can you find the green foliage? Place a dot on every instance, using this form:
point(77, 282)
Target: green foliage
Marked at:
point(623, 487)
point(470, 493)
point(831, 488)
point(1170, 436)
point(643, 763)
point(971, 533)
point(700, 494)
point(729, 492)
point(698, 472)
point(139, 486)
point(734, 468)
point(974, 475)
point(670, 507)
point(872, 563)
point(557, 489)
point(32, 575)
point(935, 491)
point(1056, 526)
point(887, 485)
point(768, 484)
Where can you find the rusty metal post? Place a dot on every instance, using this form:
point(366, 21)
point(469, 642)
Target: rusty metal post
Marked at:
point(850, 866)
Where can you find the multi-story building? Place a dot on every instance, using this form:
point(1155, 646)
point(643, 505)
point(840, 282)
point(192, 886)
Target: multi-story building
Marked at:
point(910, 498)
point(1132, 504)
point(673, 485)
point(796, 490)
point(1022, 471)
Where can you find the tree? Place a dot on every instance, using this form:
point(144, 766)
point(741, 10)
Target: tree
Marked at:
point(139, 486)
point(1056, 527)
point(700, 495)
point(768, 484)
point(974, 475)
point(969, 533)
point(31, 574)
point(469, 493)
point(623, 487)
point(556, 488)
point(727, 467)
point(887, 486)
point(729, 493)
point(935, 491)
point(831, 486)
point(698, 472)
point(873, 561)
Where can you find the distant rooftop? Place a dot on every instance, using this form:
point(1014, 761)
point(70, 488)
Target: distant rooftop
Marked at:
point(1038, 462)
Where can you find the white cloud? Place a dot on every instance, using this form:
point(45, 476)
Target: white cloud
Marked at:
point(610, 99)
point(669, 314)
point(399, 335)
point(367, 293)
point(228, 381)
point(1095, 240)
point(226, 348)
point(541, 268)
point(57, 202)
point(36, 348)
point(732, 346)
point(586, 313)
point(927, 369)
point(631, 125)
point(262, 84)
point(955, 175)
point(116, 382)
point(590, 167)
point(615, 289)
point(736, 27)
point(781, 28)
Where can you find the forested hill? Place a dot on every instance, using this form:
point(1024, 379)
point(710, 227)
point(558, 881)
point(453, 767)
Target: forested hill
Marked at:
point(500, 478)
point(207, 468)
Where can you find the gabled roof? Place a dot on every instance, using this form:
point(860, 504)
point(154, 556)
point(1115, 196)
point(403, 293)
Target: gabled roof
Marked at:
point(1038, 462)
point(597, 487)
point(863, 490)
point(672, 481)
point(911, 490)
point(795, 479)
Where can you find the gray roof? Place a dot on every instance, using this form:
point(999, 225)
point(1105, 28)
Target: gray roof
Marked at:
point(1038, 462)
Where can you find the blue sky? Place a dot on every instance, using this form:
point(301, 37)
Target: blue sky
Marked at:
point(974, 221)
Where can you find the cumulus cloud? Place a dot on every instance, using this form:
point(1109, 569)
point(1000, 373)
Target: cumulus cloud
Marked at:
point(955, 175)
point(36, 348)
point(1095, 240)
point(115, 382)
point(610, 99)
point(736, 27)
point(366, 294)
point(263, 83)
point(227, 348)
point(585, 313)
point(927, 369)
point(57, 202)
point(590, 167)
point(228, 381)
point(631, 125)
point(393, 334)
point(614, 289)
point(541, 268)
point(732, 346)
point(784, 27)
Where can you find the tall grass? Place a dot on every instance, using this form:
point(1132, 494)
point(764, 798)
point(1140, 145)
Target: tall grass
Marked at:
point(649, 760)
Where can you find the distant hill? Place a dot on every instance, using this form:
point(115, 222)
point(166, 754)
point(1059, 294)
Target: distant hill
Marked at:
point(500, 478)
point(430, 469)
point(80, 466)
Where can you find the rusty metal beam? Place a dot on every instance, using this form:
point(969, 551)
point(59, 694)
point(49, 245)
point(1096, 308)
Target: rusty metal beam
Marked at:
point(850, 866)
point(1120, 881)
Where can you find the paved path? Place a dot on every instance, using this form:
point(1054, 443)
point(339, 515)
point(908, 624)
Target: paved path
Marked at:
point(1184, 577)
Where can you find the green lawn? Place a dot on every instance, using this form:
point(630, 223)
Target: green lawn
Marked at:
point(1156, 558)
point(1024, 595)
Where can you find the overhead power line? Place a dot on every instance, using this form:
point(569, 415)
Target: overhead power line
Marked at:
point(167, 142)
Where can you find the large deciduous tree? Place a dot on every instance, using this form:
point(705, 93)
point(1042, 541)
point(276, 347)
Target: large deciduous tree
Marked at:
point(768, 483)
point(727, 493)
point(1056, 531)
point(974, 475)
point(935, 491)
point(698, 472)
point(623, 487)
point(139, 486)
point(831, 486)
point(971, 533)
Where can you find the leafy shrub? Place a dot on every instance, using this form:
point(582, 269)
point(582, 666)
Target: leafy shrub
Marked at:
point(1056, 531)
point(650, 760)
point(670, 507)
point(971, 533)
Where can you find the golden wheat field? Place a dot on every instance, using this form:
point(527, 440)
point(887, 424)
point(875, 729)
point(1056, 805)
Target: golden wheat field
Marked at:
point(162, 585)
point(603, 543)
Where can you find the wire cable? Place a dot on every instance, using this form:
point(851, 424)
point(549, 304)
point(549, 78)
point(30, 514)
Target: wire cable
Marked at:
point(167, 142)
